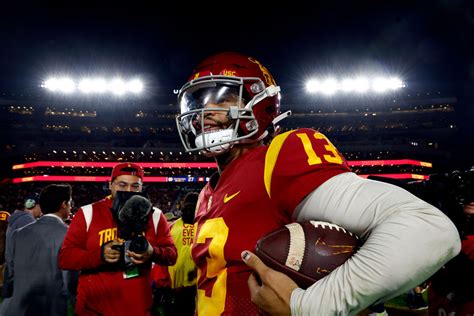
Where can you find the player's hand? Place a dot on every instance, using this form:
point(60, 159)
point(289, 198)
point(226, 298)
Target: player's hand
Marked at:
point(109, 254)
point(270, 290)
point(139, 258)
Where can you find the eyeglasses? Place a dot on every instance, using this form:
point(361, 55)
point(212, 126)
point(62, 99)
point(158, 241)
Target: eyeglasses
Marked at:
point(124, 185)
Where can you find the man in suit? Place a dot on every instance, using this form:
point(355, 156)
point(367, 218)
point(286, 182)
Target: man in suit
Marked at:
point(39, 286)
point(18, 219)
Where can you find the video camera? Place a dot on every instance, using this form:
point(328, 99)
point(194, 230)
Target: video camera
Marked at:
point(132, 211)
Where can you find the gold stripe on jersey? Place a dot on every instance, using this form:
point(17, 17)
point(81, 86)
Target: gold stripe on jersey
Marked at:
point(271, 159)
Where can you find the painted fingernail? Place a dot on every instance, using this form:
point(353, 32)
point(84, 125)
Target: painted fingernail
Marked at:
point(245, 255)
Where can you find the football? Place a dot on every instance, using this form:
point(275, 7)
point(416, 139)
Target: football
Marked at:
point(307, 251)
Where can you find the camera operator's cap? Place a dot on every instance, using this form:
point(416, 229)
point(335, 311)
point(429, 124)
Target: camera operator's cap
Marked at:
point(32, 200)
point(127, 168)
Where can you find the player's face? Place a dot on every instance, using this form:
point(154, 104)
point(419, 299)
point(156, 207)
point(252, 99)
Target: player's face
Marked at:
point(215, 119)
point(216, 114)
point(125, 183)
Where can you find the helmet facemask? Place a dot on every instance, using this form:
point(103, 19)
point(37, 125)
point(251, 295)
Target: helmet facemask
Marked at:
point(200, 126)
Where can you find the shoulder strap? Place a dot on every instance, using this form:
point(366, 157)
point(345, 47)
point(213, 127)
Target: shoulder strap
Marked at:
point(156, 218)
point(87, 211)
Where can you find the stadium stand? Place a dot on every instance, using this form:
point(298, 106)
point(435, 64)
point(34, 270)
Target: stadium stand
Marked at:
point(415, 126)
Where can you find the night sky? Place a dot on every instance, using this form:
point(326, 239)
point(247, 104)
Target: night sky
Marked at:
point(427, 43)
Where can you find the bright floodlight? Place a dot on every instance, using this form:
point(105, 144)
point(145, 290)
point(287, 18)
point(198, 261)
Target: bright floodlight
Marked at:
point(331, 86)
point(86, 85)
point(135, 86)
point(93, 85)
point(396, 83)
point(347, 85)
point(117, 86)
point(312, 86)
point(327, 86)
point(64, 85)
point(381, 85)
point(361, 85)
point(100, 85)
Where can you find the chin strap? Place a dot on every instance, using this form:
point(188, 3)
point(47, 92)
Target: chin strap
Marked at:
point(273, 127)
point(281, 117)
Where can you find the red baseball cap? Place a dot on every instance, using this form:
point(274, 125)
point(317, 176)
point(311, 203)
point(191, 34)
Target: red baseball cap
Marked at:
point(127, 168)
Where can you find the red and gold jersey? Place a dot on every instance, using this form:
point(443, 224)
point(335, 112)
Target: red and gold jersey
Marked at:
point(103, 288)
point(255, 194)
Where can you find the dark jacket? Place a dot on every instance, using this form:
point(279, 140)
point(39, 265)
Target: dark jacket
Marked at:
point(39, 286)
point(17, 220)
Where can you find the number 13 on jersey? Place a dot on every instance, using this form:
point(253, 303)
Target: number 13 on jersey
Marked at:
point(313, 158)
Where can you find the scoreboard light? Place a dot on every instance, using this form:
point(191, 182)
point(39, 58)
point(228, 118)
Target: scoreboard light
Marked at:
point(117, 86)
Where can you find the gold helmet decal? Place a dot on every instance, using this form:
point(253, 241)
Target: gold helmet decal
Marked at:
point(268, 77)
point(227, 72)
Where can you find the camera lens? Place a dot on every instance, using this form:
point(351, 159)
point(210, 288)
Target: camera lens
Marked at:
point(139, 244)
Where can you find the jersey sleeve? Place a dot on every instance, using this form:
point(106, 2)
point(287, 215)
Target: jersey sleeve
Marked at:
point(74, 254)
point(164, 247)
point(296, 163)
point(405, 241)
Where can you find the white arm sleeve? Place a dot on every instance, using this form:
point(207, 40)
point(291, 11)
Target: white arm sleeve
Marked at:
point(407, 240)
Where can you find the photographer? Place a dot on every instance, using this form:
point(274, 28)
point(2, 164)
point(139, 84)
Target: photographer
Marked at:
point(100, 243)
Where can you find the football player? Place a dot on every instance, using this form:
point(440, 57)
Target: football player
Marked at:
point(230, 108)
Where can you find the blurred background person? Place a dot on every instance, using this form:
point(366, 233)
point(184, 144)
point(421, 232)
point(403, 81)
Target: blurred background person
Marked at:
point(40, 287)
point(4, 215)
point(178, 294)
point(20, 218)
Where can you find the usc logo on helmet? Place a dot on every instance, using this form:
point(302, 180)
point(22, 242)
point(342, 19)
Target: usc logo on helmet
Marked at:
point(266, 74)
point(230, 73)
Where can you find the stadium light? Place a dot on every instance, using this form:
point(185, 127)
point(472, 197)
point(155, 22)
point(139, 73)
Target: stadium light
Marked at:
point(92, 85)
point(135, 86)
point(64, 85)
point(361, 85)
point(331, 86)
point(117, 86)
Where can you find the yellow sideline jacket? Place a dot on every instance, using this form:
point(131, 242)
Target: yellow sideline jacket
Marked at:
point(183, 273)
